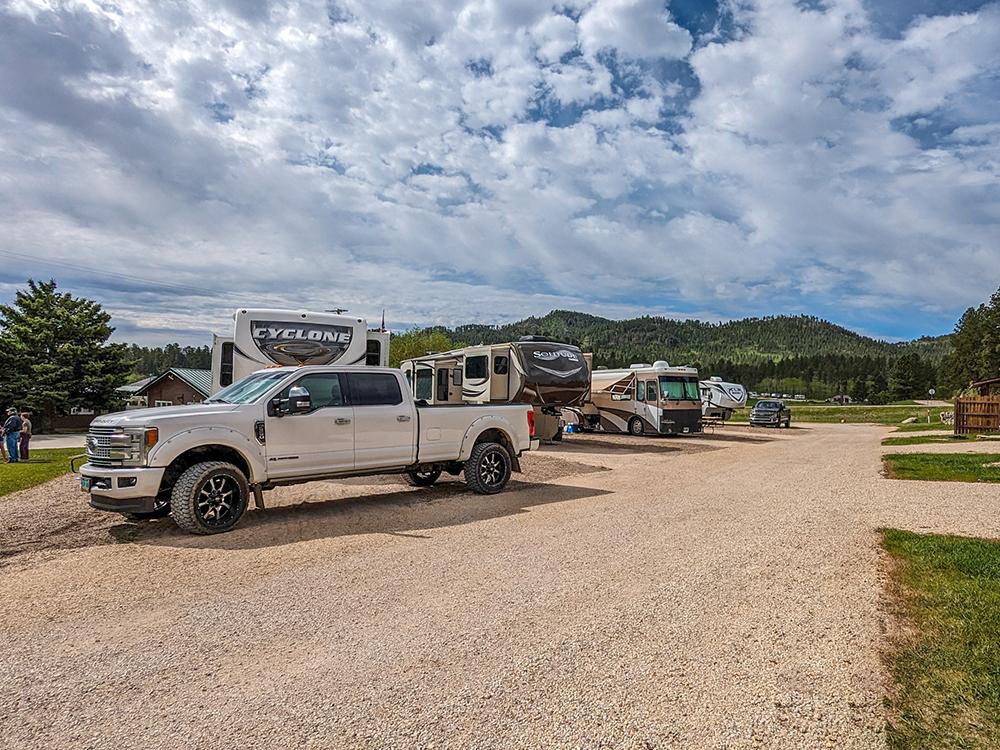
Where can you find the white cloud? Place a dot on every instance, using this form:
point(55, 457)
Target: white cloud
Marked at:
point(463, 160)
point(634, 28)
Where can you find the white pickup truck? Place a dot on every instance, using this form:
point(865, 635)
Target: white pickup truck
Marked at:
point(201, 463)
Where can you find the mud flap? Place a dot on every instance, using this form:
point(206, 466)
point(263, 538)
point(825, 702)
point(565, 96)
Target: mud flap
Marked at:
point(258, 497)
point(515, 464)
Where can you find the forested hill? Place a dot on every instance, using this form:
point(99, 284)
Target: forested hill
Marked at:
point(747, 341)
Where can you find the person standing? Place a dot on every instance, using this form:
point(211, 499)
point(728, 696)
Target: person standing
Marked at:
point(12, 434)
point(25, 434)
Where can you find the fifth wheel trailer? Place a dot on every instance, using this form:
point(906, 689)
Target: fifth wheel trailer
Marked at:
point(274, 338)
point(549, 375)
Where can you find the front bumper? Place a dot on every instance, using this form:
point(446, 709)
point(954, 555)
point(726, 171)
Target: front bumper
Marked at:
point(125, 490)
point(764, 421)
point(680, 422)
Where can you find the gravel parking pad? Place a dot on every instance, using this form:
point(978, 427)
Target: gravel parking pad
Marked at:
point(721, 591)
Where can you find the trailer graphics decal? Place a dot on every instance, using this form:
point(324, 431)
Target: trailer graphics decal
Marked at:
point(301, 343)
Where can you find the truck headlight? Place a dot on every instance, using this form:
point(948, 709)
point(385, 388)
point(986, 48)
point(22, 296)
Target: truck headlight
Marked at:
point(134, 444)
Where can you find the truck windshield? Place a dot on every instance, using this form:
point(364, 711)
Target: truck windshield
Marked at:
point(248, 390)
point(675, 388)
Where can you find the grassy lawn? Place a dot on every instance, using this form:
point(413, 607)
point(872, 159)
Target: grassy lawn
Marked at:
point(945, 660)
point(920, 439)
point(943, 467)
point(43, 466)
point(867, 414)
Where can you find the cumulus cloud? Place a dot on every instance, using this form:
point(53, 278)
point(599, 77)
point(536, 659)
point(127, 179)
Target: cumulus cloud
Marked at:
point(487, 159)
point(633, 28)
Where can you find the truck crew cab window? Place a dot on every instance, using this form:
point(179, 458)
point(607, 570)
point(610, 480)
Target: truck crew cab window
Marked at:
point(324, 389)
point(477, 367)
point(376, 388)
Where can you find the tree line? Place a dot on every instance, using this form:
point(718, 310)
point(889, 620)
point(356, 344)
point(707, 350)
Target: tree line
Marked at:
point(56, 353)
point(152, 360)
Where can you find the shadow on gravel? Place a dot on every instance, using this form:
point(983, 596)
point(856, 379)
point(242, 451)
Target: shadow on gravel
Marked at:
point(738, 437)
point(628, 444)
point(403, 513)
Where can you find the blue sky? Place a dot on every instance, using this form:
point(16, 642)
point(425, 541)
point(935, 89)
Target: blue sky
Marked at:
point(485, 160)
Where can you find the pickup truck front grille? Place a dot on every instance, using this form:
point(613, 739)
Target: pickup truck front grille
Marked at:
point(104, 446)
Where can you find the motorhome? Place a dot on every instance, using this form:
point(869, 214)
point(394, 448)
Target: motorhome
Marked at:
point(644, 399)
point(547, 374)
point(720, 399)
point(274, 338)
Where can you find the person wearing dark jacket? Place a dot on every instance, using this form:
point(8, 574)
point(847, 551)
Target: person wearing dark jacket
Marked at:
point(12, 434)
point(25, 434)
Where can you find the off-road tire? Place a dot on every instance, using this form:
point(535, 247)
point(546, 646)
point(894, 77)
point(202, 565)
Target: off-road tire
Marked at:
point(488, 469)
point(636, 427)
point(422, 478)
point(184, 499)
point(788, 424)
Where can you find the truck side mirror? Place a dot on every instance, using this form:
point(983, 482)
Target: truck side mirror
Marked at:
point(299, 401)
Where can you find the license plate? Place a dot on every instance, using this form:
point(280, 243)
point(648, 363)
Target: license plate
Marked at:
point(85, 484)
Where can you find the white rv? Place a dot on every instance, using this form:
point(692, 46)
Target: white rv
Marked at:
point(272, 338)
point(535, 370)
point(720, 399)
point(644, 399)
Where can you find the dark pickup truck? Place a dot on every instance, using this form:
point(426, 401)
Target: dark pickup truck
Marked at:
point(770, 413)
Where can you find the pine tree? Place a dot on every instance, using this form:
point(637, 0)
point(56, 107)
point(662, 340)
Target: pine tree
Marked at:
point(976, 346)
point(55, 355)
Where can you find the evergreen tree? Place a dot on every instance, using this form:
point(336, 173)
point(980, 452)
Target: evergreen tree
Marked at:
point(55, 355)
point(976, 347)
point(416, 344)
point(906, 377)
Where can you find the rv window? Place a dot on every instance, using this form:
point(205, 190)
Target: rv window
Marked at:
point(324, 389)
point(671, 389)
point(425, 381)
point(373, 355)
point(375, 388)
point(500, 365)
point(677, 388)
point(692, 392)
point(477, 368)
point(640, 391)
point(226, 366)
point(651, 390)
point(456, 376)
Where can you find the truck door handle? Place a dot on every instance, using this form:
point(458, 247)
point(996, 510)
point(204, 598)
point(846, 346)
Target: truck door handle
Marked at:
point(403, 418)
point(342, 420)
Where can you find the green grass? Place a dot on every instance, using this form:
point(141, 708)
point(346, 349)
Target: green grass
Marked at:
point(945, 659)
point(860, 414)
point(943, 467)
point(920, 439)
point(43, 466)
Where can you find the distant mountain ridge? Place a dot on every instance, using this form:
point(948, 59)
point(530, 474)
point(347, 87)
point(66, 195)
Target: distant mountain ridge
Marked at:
point(747, 341)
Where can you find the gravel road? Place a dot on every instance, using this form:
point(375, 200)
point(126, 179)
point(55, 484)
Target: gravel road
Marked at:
point(717, 592)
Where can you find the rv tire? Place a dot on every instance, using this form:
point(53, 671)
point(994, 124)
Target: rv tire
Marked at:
point(635, 426)
point(488, 469)
point(422, 477)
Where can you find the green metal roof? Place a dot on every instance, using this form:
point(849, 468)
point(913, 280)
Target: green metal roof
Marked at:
point(137, 385)
point(200, 380)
